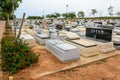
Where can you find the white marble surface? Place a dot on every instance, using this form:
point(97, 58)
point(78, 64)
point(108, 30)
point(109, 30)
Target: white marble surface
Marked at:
point(27, 37)
point(63, 51)
point(65, 46)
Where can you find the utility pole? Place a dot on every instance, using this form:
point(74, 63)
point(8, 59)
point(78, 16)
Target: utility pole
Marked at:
point(67, 8)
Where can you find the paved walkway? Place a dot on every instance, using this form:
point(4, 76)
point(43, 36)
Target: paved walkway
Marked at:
point(2, 27)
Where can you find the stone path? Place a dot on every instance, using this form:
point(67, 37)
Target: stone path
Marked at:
point(2, 27)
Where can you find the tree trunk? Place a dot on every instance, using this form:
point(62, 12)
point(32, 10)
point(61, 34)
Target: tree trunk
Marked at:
point(8, 18)
point(21, 26)
point(14, 22)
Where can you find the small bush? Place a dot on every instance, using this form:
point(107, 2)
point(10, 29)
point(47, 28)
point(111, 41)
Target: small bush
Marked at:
point(16, 57)
point(7, 25)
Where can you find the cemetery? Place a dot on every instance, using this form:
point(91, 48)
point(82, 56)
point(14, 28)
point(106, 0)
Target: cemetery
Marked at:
point(62, 50)
point(65, 45)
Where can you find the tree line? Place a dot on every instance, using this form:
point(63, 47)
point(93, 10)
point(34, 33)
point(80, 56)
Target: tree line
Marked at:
point(81, 14)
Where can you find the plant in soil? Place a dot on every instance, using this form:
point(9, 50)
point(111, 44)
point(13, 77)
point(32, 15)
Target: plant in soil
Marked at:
point(16, 57)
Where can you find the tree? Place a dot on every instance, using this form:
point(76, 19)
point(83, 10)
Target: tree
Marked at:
point(81, 14)
point(54, 15)
point(35, 17)
point(93, 12)
point(51, 16)
point(70, 15)
point(57, 15)
point(110, 10)
point(48, 16)
point(7, 7)
point(65, 15)
point(118, 13)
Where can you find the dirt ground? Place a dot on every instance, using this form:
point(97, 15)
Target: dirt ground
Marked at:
point(108, 69)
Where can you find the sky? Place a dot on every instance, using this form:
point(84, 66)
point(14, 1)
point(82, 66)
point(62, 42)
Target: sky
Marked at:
point(44, 7)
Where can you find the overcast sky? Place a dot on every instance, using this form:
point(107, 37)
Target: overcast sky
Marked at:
point(43, 7)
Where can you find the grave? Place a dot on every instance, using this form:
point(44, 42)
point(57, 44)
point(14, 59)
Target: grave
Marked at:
point(116, 41)
point(63, 51)
point(42, 38)
point(75, 30)
point(28, 38)
point(87, 48)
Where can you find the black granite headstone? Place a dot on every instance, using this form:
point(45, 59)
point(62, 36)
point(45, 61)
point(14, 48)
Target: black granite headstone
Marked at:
point(99, 33)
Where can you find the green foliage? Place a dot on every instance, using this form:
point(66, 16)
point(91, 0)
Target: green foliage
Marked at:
point(6, 33)
point(17, 57)
point(93, 11)
point(4, 16)
point(54, 15)
point(70, 15)
point(34, 17)
point(7, 25)
point(57, 14)
point(81, 14)
point(7, 7)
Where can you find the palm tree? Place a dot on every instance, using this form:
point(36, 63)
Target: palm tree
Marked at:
point(110, 10)
point(93, 12)
point(81, 14)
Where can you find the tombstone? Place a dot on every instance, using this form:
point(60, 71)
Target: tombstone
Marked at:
point(102, 33)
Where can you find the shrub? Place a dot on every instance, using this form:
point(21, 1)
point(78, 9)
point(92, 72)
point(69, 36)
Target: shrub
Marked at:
point(16, 57)
point(34, 17)
point(7, 25)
